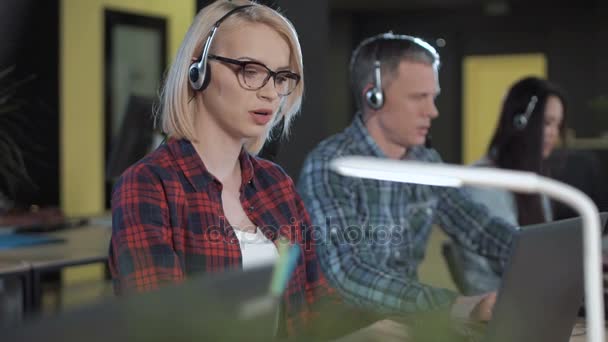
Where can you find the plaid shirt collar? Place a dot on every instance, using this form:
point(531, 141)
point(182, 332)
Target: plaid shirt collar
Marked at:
point(194, 168)
point(366, 145)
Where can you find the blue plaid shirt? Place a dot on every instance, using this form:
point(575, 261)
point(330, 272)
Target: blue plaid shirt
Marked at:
point(372, 235)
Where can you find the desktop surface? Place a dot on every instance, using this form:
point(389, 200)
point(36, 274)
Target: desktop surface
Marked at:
point(78, 245)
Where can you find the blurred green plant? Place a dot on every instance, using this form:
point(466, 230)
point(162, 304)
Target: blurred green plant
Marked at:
point(599, 111)
point(13, 171)
point(599, 104)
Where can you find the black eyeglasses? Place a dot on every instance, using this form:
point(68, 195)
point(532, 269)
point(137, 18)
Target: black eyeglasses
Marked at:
point(254, 75)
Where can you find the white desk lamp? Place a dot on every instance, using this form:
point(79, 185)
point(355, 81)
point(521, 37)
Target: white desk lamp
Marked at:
point(526, 182)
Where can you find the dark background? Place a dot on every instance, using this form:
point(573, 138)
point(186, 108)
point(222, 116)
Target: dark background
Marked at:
point(572, 36)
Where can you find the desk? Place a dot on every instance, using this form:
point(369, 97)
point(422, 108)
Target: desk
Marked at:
point(11, 311)
point(388, 331)
point(82, 245)
point(578, 334)
point(11, 269)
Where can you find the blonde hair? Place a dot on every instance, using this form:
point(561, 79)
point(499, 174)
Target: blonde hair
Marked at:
point(177, 113)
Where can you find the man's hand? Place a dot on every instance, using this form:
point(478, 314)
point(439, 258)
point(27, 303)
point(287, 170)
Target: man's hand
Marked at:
point(478, 308)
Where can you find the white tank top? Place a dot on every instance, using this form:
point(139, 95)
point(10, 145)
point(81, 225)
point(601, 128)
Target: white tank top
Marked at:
point(256, 249)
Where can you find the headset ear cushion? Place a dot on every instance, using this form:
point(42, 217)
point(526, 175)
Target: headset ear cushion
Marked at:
point(520, 121)
point(193, 74)
point(370, 97)
point(207, 77)
point(374, 98)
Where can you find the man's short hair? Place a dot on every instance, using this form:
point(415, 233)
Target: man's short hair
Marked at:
point(389, 49)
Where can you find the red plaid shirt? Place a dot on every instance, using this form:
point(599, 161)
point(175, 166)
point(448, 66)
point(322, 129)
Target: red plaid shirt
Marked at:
point(167, 224)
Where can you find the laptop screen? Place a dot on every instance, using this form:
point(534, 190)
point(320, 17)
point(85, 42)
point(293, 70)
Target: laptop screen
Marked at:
point(542, 287)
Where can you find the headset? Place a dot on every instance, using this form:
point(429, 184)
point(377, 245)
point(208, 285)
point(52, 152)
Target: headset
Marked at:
point(374, 97)
point(199, 73)
point(520, 121)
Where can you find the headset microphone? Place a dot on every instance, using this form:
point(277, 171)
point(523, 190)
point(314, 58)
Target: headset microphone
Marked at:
point(428, 143)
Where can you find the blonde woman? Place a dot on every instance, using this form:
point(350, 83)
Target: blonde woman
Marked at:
point(203, 202)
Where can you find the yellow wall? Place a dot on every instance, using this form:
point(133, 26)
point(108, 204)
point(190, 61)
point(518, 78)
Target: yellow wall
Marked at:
point(82, 104)
point(434, 270)
point(486, 80)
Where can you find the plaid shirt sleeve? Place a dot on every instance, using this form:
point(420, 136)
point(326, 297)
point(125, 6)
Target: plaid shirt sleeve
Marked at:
point(472, 225)
point(350, 267)
point(141, 253)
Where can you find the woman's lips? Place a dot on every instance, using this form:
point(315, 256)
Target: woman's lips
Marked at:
point(261, 117)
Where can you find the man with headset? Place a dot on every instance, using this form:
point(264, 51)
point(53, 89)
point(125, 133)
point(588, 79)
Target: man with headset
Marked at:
point(372, 235)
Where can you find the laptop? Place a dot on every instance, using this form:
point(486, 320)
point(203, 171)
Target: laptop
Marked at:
point(226, 306)
point(542, 288)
